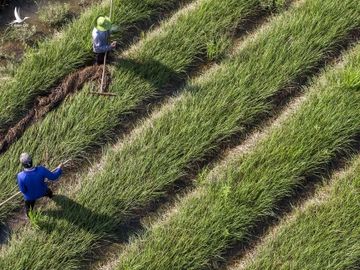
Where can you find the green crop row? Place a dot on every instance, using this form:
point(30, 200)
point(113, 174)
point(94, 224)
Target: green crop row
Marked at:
point(247, 192)
point(323, 236)
point(85, 119)
point(57, 57)
point(150, 161)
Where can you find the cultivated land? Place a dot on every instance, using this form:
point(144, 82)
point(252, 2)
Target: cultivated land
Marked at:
point(187, 132)
point(55, 58)
point(324, 235)
point(248, 192)
point(88, 121)
point(201, 26)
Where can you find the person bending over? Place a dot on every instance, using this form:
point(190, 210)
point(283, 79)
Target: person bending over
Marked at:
point(100, 36)
point(31, 181)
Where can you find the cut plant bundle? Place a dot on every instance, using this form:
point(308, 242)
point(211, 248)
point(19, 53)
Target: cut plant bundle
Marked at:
point(87, 121)
point(142, 168)
point(325, 235)
point(57, 57)
point(248, 192)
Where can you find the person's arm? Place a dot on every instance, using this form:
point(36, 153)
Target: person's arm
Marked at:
point(22, 186)
point(51, 175)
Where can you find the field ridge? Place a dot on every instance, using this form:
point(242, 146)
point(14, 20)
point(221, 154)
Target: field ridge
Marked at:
point(330, 198)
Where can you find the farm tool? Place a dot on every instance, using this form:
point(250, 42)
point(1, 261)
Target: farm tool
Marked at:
point(19, 192)
point(102, 84)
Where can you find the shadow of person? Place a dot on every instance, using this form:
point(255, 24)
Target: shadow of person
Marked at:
point(84, 218)
point(163, 78)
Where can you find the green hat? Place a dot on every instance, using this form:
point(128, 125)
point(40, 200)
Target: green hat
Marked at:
point(103, 23)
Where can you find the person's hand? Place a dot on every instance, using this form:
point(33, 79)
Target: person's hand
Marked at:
point(113, 44)
point(60, 166)
point(114, 28)
point(63, 164)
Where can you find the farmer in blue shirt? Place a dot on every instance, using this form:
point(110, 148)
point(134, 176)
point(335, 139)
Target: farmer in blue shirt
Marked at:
point(100, 35)
point(31, 181)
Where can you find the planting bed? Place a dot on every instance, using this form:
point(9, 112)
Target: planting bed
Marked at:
point(230, 204)
point(250, 192)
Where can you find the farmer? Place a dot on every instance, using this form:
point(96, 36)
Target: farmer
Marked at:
point(31, 181)
point(100, 35)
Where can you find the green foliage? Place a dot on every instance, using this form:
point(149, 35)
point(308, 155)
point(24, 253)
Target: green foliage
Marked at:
point(20, 33)
point(226, 101)
point(154, 64)
point(86, 120)
point(247, 193)
point(325, 235)
point(7, 70)
point(36, 219)
point(55, 14)
point(215, 48)
point(60, 56)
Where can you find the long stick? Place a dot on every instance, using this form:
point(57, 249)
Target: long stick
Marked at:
point(104, 67)
point(13, 196)
point(65, 162)
point(17, 193)
point(111, 8)
point(103, 75)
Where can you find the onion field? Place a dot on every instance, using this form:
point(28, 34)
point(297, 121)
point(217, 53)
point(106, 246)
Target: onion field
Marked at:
point(158, 178)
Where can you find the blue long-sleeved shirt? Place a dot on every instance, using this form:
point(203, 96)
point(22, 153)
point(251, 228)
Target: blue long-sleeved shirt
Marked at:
point(32, 182)
point(101, 41)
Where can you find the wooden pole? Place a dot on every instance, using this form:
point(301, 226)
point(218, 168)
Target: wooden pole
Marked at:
point(13, 196)
point(104, 66)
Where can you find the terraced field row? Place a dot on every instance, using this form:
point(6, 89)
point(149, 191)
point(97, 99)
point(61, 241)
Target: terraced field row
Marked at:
point(324, 234)
point(161, 152)
point(55, 58)
point(87, 121)
point(248, 192)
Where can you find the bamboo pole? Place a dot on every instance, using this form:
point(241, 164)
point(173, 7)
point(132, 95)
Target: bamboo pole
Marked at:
point(104, 66)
